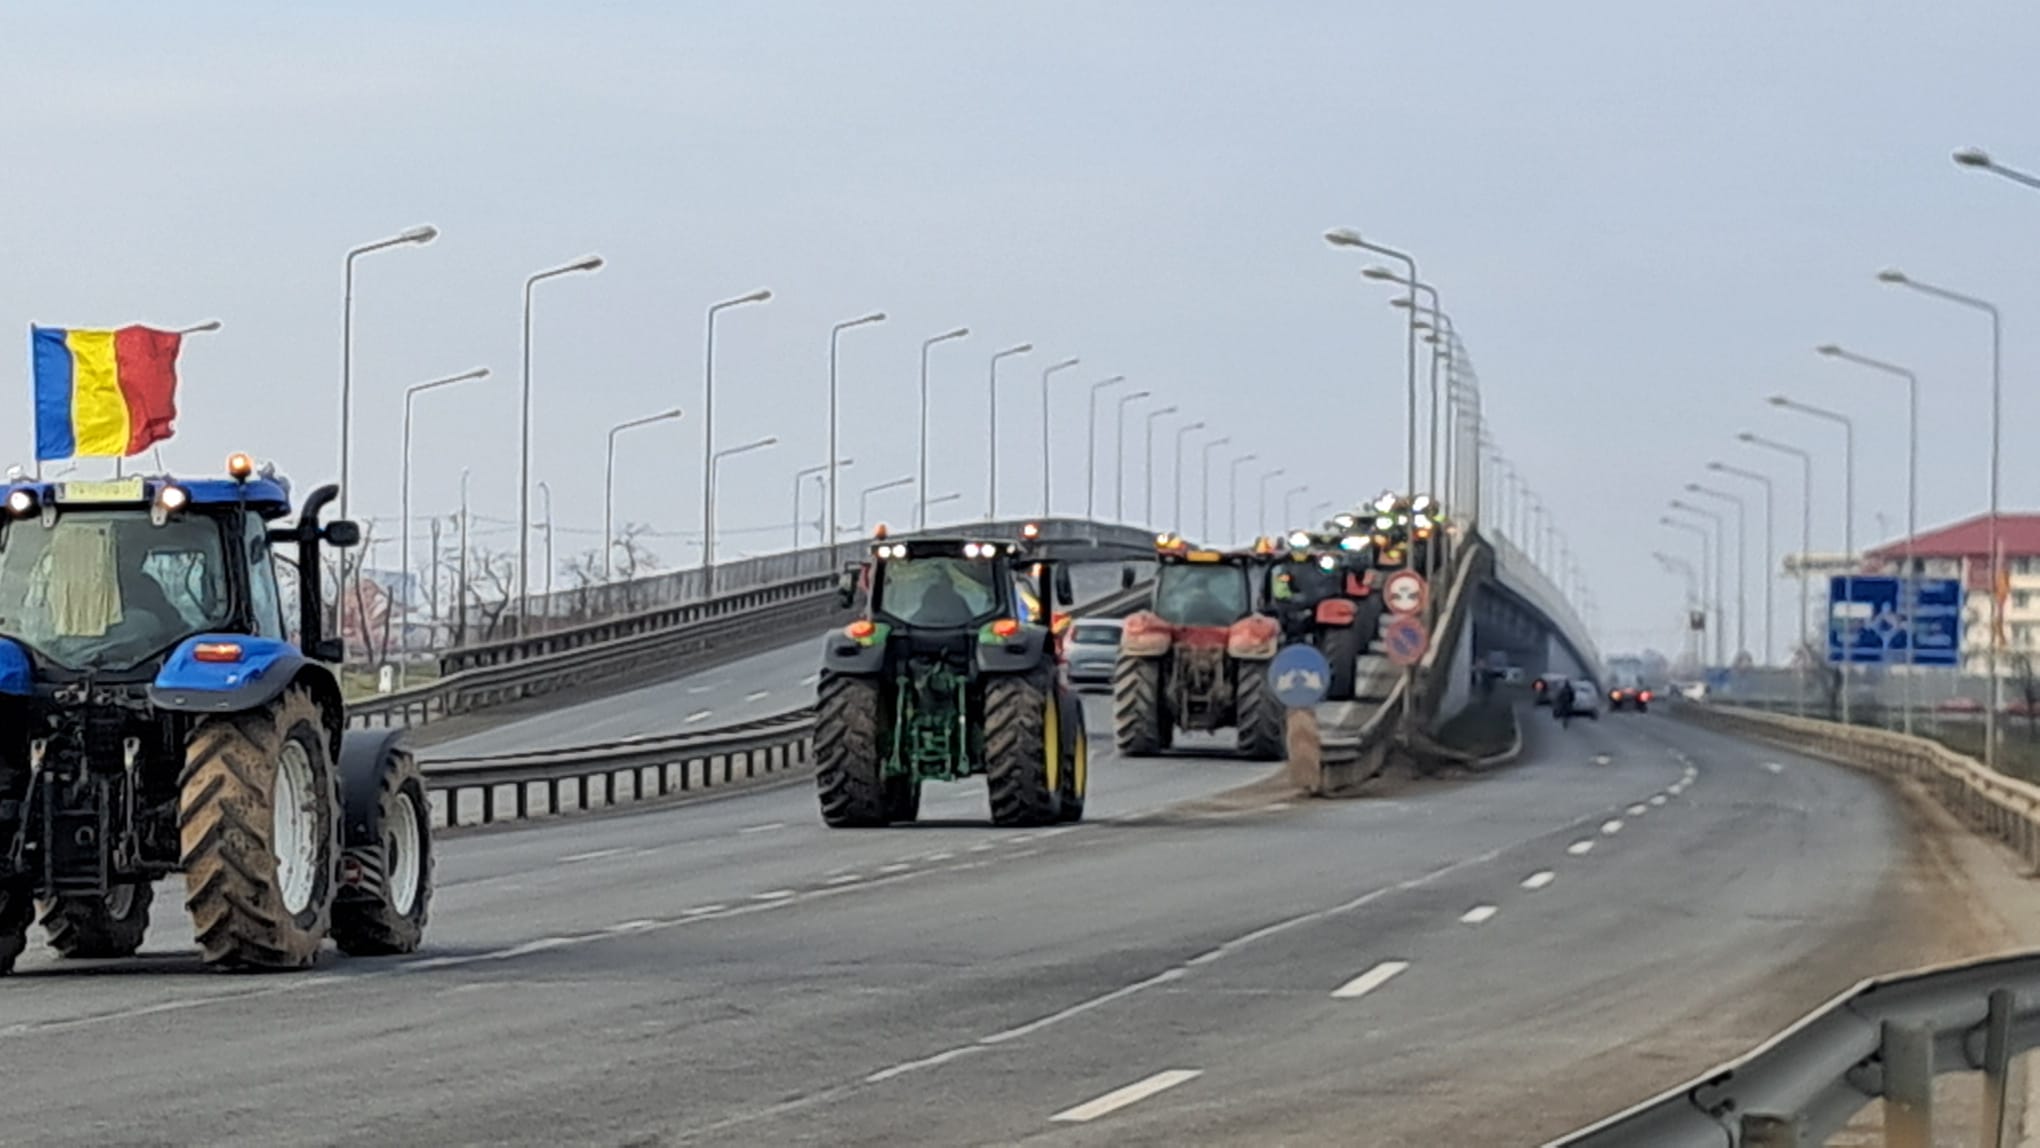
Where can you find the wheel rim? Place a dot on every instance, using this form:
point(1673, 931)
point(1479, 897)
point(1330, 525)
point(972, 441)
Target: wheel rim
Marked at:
point(406, 854)
point(294, 835)
point(1051, 742)
point(1083, 766)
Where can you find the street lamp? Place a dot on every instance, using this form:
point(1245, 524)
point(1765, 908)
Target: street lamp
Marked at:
point(1770, 570)
point(1065, 365)
point(1979, 158)
point(416, 236)
point(920, 511)
point(1182, 432)
point(992, 442)
point(545, 488)
point(1706, 561)
point(715, 464)
point(1261, 523)
point(206, 327)
point(943, 500)
point(816, 471)
point(1805, 457)
point(1119, 453)
point(1912, 494)
point(1091, 447)
point(1347, 237)
point(1742, 559)
point(1289, 502)
point(585, 263)
point(1675, 565)
point(708, 451)
point(829, 516)
point(609, 486)
point(1719, 559)
point(1232, 497)
point(1204, 514)
point(1893, 275)
point(1438, 351)
point(1848, 426)
point(864, 499)
point(1148, 463)
point(411, 393)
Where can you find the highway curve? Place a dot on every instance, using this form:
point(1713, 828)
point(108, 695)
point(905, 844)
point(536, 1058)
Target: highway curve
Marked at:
point(729, 971)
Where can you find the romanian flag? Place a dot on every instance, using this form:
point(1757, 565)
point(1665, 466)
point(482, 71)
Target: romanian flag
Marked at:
point(103, 394)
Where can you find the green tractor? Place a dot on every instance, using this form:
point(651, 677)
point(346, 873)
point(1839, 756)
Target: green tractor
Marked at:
point(951, 672)
point(157, 718)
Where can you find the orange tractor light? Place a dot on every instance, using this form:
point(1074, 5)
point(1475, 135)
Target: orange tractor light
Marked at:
point(1005, 627)
point(861, 629)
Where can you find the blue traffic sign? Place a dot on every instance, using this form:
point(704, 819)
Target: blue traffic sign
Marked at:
point(1300, 674)
point(1869, 623)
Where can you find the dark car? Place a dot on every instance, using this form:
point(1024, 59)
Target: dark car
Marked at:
point(1091, 650)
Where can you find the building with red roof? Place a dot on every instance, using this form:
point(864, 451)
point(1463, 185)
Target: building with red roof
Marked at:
point(1962, 550)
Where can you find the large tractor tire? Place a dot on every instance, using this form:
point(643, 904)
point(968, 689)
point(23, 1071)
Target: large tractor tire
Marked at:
point(902, 800)
point(382, 907)
point(109, 926)
point(1343, 646)
point(1139, 727)
point(1023, 749)
point(1076, 766)
point(258, 819)
point(847, 766)
point(1260, 715)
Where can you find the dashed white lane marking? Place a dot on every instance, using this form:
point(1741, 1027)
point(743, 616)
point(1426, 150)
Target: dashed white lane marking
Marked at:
point(935, 857)
point(844, 879)
point(1539, 879)
point(1773, 767)
point(772, 895)
point(1637, 810)
point(702, 689)
point(1611, 827)
point(590, 855)
point(698, 715)
point(1370, 980)
point(1657, 799)
point(1133, 1093)
point(757, 695)
point(637, 926)
point(811, 679)
point(765, 828)
point(700, 910)
point(1477, 914)
point(895, 867)
point(1602, 759)
point(983, 847)
point(1580, 848)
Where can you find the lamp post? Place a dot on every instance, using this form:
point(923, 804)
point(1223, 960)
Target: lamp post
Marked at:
point(1289, 502)
point(1119, 453)
point(708, 451)
point(1091, 447)
point(1204, 515)
point(1719, 559)
point(1681, 566)
point(1708, 620)
point(992, 442)
point(945, 499)
point(411, 394)
point(545, 489)
point(1046, 489)
point(1148, 465)
point(1439, 350)
point(1347, 237)
point(864, 499)
point(1893, 275)
point(416, 236)
point(1848, 426)
point(585, 263)
point(801, 476)
point(921, 508)
point(1742, 559)
point(1232, 497)
point(1176, 518)
point(829, 515)
point(1770, 559)
point(1978, 158)
point(1261, 524)
point(609, 486)
point(1805, 458)
point(715, 465)
point(1912, 498)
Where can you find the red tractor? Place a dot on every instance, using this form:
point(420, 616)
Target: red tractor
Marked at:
point(1198, 659)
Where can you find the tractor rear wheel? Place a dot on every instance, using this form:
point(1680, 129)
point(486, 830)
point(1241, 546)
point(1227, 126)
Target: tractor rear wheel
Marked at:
point(1260, 714)
point(847, 765)
point(381, 913)
point(1023, 749)
point(108, 926)
point(1137, 719)
point(258, 819)
point(1342, 648)
point(902, 799)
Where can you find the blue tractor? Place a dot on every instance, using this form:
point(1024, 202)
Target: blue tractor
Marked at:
point(157, 717)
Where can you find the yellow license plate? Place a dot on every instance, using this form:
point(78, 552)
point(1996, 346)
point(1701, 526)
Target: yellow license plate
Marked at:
point(107, 490)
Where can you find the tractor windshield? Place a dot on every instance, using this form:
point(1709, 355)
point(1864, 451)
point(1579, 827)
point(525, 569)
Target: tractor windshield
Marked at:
point(108, 589)
point(1201, 595)
point(940, 593)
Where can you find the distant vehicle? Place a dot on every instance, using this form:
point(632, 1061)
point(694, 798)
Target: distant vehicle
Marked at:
point(1693, 691)
point(1628, 692)
point(1586, 699)
point(1092, 649)
point(1512, 675)
point(1958, 706)
point(1542, 689)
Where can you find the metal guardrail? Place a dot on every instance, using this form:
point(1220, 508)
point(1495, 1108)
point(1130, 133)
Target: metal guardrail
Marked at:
point(657, 766)
point(1886, 1038)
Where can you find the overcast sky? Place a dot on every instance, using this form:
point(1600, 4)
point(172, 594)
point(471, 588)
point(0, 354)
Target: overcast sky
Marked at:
point(1642, 216)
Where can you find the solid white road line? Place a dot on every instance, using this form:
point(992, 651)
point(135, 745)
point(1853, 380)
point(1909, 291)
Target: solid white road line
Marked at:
point(1370, 980)
point(1580, 848)
point(1133, 1093)
point(1477, 914)
point(844, 879)
point(772, 895)
point(1611, 827)
point(1539, 879)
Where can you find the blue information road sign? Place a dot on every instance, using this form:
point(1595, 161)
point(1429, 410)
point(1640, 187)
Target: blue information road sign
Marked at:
point(1300, 674)
point(1868, 622)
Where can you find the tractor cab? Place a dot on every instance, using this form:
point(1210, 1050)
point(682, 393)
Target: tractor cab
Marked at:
point(1204, 589)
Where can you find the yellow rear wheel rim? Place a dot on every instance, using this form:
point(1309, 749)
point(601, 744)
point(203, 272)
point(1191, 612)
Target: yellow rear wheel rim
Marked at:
point(1051, 739)
point(1082, 768)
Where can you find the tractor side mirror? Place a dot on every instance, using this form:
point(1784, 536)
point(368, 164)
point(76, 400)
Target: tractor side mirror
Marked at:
point(1126, 577)
point(1065, 592)
point(846, 588)
point(342, 533)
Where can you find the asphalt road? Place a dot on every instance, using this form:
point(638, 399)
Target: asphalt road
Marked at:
point(1480, 962)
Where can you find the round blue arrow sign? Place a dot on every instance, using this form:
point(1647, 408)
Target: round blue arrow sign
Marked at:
point(1300, 674)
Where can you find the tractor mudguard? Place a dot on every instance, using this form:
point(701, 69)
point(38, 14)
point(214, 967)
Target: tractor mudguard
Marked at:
point(261, 670)
point(1335, 612)
point(365, 755)
point(857, 650)
point(1027, 649)
point(1254, 638)
point(1146, 635)
point(17, 674)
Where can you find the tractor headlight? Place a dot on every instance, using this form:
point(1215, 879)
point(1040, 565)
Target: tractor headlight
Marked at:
point(21, 503)
point(173, 498)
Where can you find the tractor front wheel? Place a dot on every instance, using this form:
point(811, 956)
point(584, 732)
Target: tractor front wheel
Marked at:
point(1260, 714)
point(1343, 646)
point(1023, 749)
point(847, 765)
point(258, 819)
point(108, 926)
point(1138, 724)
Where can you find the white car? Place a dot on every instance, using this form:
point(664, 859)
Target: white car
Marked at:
point(1587, 701)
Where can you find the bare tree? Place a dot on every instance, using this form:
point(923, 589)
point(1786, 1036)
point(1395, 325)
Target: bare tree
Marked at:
point(494, 579)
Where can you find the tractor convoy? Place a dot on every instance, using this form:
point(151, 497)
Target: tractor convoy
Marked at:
point(156, 717)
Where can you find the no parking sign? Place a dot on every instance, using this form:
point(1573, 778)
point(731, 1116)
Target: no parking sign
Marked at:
point(1405, 639)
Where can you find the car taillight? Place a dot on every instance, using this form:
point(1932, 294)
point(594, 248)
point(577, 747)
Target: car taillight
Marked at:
point(1645, 695)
